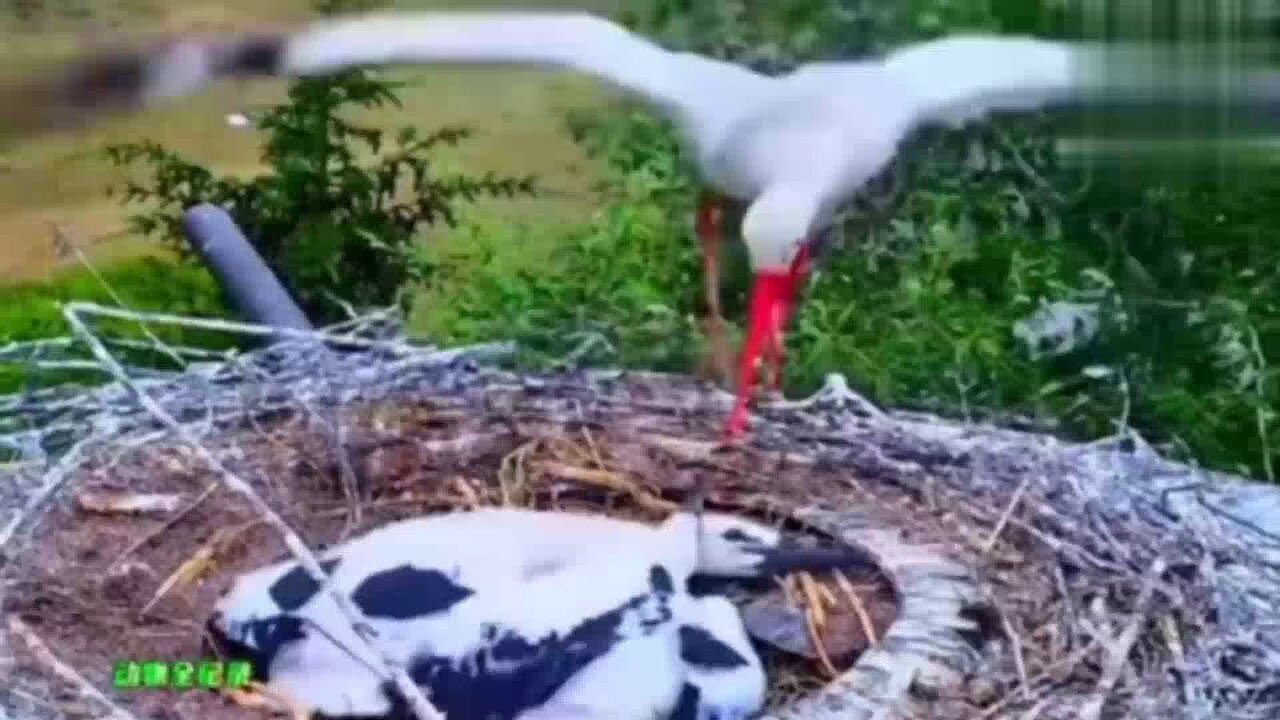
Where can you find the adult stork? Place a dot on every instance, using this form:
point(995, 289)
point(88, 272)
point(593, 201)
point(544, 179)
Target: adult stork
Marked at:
point(793, 147)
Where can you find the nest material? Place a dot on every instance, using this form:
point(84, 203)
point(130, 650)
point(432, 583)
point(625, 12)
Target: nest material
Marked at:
point(1122, 584)
point(150, 572)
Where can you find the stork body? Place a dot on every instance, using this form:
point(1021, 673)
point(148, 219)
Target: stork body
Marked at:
point(792, 147)
point(519, 614)
point(462, 547)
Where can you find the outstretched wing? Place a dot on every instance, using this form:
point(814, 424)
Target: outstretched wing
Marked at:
point(963, 77)
point(688, 87)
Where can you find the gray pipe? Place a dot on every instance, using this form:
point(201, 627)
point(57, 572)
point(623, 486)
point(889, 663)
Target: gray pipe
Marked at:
point(252, 287)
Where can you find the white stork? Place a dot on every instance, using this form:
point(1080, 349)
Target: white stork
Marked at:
point(519, 614)
point(793, 147)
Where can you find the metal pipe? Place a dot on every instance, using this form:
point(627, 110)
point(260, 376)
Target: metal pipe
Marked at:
point(252, 287)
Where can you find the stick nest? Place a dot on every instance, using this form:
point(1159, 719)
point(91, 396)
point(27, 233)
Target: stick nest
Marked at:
point(1113, 583)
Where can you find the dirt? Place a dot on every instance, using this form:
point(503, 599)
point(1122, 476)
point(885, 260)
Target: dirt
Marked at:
point(88, 588)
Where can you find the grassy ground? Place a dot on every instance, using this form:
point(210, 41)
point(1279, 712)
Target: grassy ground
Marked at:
point(515, 113)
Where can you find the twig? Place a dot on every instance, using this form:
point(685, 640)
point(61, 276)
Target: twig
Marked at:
point(338, 433)
point(147, 538)
point(388, 667)
point(78, 308)
point(67, 244)
point(1118, 648)
point(470, 498)
point(815, 637)
point(608, 480)
point(990, 544)
point(859, 609)
point(1065, 661)
point(1019, 660)
point(45, 656)
point(188, 572)
point(1036, 709)
point(54, 479)
point(512, 475)
point(595, 451)
point(787, 585)
point(116, 502)
point(835, 390)
point(813, 600)
point(587, 344)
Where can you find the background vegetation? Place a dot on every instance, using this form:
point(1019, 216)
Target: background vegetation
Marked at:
point(939, 296)
point(339, 230)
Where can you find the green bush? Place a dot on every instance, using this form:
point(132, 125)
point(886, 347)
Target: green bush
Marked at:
point(333, 226)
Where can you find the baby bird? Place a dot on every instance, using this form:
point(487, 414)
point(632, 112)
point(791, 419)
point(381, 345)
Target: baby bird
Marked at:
point(518, 614)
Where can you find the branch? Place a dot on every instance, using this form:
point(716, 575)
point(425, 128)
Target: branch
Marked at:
point(389, 668)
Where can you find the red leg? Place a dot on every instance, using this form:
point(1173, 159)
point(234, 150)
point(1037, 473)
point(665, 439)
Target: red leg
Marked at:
point(772, 299)
point(796, 278)
point(766, 292)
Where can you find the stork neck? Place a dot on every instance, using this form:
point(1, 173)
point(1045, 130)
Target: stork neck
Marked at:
point(778, 222)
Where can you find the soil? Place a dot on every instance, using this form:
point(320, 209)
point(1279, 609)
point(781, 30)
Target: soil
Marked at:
point(97, 587)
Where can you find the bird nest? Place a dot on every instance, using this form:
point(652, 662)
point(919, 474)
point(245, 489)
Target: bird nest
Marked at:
point(1021, 576)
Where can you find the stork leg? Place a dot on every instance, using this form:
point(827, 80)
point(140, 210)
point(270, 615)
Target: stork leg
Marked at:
point(762, 325)
point(772, 300)
point(709, 230)
point(776, 342)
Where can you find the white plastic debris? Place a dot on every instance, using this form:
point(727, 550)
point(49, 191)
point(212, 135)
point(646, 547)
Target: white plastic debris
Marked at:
point(1058, 328)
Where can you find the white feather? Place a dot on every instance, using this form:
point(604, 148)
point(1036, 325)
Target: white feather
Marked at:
point(695, 89)
point(733, 693)
point(965, 77)
point(609, 563)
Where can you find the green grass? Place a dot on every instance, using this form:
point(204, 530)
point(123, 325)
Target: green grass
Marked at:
point(32, 311)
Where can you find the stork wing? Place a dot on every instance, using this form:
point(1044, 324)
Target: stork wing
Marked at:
point(687, 87)
point(962, 77)
point(576, 41)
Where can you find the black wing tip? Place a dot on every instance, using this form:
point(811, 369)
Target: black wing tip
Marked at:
point(61, 98)
point(255, 54)
point(121, 79)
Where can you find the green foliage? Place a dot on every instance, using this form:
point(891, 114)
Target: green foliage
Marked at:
point(776, 35)
point(920, 306)
point(32, 311)
point(332, 224)
point(622, 279)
